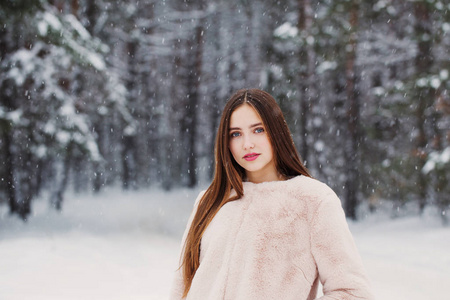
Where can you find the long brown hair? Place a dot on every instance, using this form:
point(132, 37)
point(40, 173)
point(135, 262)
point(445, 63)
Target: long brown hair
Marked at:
point(229, 174)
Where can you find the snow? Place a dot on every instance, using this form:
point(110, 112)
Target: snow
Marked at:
point(325, 66)
point(72, 20)
point(436, 159)
point(93, 58)
point(22, 59)
point(40, 151)
point(421, 82)
point(379, 5)
point(53, 21)
point(399, 85)
point(446, 27)
point(406, 258)
point(124, 245)
point(319, 145)
point(287, 30)
point(378, 91)
point(435, 82)
point(50, 127)
point(129, 131)
point(63, 137)
point(42, 28)
point(93, 149)
point(14, 116)
point(73, 33)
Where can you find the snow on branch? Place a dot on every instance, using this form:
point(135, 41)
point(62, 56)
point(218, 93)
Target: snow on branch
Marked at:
point(437, 160)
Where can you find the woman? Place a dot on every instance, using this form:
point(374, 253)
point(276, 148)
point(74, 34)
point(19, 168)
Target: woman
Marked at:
point(264, 229)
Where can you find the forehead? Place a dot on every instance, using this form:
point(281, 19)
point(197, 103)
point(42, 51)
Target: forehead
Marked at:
point(244, 116)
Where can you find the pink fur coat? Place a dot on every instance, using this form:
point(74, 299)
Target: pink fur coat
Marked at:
point(277, 242)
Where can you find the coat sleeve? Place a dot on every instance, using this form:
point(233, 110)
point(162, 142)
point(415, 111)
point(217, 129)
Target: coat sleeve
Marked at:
point(176, 292)
point(339, 265)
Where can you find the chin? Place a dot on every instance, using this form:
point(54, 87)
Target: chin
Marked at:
point(254, 169)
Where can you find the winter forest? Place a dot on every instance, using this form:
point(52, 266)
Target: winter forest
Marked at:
point(109, 111)
point(101, 93)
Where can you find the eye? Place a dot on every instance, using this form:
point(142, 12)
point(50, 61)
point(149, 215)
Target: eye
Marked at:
point(259, 130)
point(235, 134)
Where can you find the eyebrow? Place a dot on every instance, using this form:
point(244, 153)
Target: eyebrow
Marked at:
point(251, 126)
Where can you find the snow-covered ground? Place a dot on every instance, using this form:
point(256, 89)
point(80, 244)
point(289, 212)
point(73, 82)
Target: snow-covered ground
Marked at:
point(124, 245)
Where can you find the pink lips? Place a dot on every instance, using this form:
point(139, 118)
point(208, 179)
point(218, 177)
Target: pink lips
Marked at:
point(251, 156)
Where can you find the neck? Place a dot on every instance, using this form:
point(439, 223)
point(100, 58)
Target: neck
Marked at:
point(264, 177)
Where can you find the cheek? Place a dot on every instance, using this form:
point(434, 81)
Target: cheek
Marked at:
point(233, 147)
point(264, 142)
point(268, 145)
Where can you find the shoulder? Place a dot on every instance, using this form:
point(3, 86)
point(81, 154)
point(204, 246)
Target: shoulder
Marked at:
point(304, 186)
point(312, 193)
point(197, 200)
point(200, 196)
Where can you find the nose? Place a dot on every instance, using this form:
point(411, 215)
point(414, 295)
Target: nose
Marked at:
point(248, 143)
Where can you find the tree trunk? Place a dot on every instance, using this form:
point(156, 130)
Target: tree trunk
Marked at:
point(5, 128)
point(129, 134)
point(91, 14)
point(253, 54)
point(440, 177)
point(423, 62)
point(128, 162)
point(351, 151)
point(75, 5)
point(9, 174)
point(23, 181)
point(302, 25)
point(58, 195)
point(101, 176)
point(194, 77)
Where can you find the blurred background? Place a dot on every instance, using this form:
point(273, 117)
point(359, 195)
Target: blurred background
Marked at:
point(121, 99)
point(129, 93)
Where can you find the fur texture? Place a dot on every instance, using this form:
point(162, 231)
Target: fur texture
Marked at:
point(277, 242)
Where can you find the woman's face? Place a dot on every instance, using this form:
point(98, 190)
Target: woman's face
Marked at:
point(250, 145)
